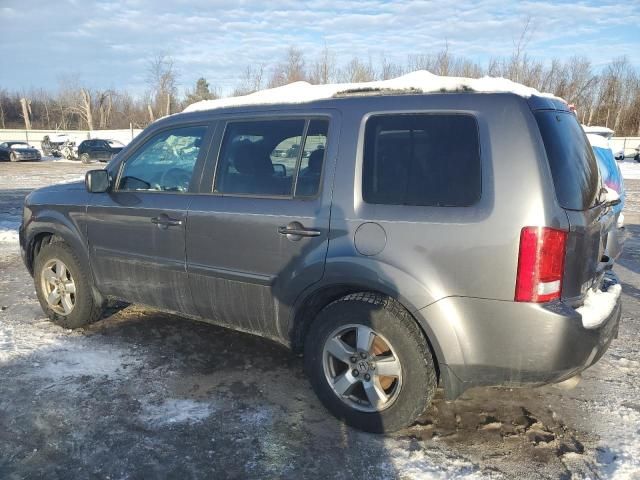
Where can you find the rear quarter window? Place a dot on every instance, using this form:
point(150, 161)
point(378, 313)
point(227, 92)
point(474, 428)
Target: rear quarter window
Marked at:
point(571, 160)
point(422, 160)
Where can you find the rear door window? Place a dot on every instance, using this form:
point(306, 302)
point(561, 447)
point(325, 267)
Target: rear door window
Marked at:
point(272, 158)
point(422, 159)
point(571, 159)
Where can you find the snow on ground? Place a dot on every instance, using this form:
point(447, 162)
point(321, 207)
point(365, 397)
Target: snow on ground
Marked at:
point(173, 410)
point(630, 169)
point(419, 81)
point(9, 231)
point(143, 394)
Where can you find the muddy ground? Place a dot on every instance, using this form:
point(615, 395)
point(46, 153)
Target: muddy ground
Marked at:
point(143, 394)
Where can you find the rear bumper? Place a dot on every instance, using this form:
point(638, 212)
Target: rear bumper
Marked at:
point(519, 344)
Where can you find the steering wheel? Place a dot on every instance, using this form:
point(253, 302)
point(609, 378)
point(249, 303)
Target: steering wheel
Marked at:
point(177, 177)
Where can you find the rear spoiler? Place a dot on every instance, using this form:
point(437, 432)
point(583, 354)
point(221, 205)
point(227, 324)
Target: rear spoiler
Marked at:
point(545, 103)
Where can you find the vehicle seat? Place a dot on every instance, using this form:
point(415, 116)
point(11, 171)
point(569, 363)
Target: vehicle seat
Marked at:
point(309, 179)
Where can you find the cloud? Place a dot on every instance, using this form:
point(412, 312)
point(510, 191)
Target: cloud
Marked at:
point(109, 43)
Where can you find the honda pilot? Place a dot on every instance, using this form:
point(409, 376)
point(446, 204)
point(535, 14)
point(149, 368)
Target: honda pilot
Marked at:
point(401, 244)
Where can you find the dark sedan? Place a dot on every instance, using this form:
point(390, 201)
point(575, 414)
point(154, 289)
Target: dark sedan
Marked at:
point(98, 149)
point(18, 151)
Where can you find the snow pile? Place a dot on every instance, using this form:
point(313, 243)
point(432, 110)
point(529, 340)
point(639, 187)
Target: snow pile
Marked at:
point(9, 231)
point(419, 81)
point(172, 411)
point(598, 305)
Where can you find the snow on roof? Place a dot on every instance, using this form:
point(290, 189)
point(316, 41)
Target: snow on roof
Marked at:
point(598, 130)
point(419, 81)
point(597, 140)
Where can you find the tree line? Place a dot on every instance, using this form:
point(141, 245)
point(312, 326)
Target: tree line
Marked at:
point(609, 96)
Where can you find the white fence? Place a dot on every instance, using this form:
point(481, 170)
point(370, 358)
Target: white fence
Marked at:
point(628, 144)
point(34, 137)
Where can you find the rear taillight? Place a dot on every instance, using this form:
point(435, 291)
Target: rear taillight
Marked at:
point(540, 264)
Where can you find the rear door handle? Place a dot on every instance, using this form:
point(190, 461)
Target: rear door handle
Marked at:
point(295, 231)
point(164, 221)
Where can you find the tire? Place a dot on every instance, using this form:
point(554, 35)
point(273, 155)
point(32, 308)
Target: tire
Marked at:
point(410, 392)
point(86, 309)
point(84, 158)
point(12, 157)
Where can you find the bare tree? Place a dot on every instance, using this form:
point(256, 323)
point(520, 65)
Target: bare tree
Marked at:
point(323, 70)
point(251, 81)
point(162, 79)
point(289, 71)
point(357, 71)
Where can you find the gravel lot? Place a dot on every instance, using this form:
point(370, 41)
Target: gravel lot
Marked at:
point(143, 394)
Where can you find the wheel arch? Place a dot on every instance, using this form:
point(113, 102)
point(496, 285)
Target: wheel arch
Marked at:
point(312, 302)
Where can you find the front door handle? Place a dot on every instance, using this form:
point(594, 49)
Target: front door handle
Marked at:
point(165, 221)
point(295, 231)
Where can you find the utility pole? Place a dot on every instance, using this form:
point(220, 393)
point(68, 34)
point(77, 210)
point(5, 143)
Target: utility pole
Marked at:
point(26, 110)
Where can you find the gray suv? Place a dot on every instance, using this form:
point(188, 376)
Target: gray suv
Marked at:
point(409, 241)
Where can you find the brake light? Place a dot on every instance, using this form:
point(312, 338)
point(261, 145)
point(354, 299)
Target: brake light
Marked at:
point(540, 264)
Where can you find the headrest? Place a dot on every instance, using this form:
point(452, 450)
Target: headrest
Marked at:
point(315, 161)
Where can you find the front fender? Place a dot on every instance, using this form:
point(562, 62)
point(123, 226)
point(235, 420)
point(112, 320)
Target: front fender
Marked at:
point(48, 221)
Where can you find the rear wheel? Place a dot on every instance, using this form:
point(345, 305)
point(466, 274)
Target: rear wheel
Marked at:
point(369, 363)
point(64, 288)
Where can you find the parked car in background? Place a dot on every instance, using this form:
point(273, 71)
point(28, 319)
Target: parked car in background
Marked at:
point(637, 155)
point(606, 133)
point(99, 149)
point(391, 270)
point(612, 179)
point(16, 151)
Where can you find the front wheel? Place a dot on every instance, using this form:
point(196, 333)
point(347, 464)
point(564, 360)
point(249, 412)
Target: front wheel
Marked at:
point(369, 363)
point(84, 158)
point(13, 157)
point(64, 288)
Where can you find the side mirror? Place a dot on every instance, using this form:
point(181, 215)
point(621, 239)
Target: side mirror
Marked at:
point(97, 181)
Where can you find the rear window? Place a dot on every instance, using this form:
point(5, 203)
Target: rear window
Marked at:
point(571, 159)
point(422, 159)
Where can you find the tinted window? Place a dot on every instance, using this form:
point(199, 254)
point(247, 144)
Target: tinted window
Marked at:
point(312, 159)
point(573, 165)
point(259, 157)
point(425, 159)
point(165, 162)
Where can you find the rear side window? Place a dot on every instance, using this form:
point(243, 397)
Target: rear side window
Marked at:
point(571, 159)
point(281, 158)
point(422, 159)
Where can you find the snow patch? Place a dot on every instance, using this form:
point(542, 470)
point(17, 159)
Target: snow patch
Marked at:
point(9, 231)
point(611, 195)
point(598, 305)
point(430, 464)
point(173, 410)
point(419, 81)
point(80, 359)
point(256, 418)
point(630, 169)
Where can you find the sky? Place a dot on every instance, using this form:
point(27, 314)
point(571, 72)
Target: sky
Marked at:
point(106, 44)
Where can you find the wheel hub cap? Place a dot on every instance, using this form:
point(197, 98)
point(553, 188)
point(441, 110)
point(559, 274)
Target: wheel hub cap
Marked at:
point(362, 368)
point(58, 287)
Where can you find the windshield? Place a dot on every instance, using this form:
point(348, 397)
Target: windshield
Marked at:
point(571, 159)
point(19, 145)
